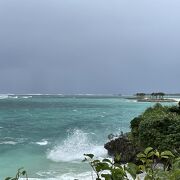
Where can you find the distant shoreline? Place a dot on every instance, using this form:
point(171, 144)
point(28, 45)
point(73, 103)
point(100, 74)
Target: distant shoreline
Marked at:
point(151, 100)
point(156, 100)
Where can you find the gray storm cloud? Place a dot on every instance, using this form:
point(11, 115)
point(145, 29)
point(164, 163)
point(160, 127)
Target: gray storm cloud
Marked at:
point(82, 46)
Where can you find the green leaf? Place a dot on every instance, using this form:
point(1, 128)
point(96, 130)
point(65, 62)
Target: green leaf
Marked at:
point(118, 174)
point(157, 153)
point(177, 159)
point(20, 169)
point(150, 154)
point(142, 167)
point(84, 160)
point(102, 166)
point(143, 160)
point(98, 168)
point(147, 177)
point(175, 174)
point(141, 155)
point(147, 150)
point(117, 158)
point(149, 161)
point(118, 165)
point(106, 176)
point(165, 157)
point(167, 153)
point(89, 155)
point(105, 166)
point(132, 169)
point(107, 160)
point(96, 161)
point(8, 178)
point(23, 173)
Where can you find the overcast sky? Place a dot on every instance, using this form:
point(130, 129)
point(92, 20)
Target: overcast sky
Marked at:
point(89, 46)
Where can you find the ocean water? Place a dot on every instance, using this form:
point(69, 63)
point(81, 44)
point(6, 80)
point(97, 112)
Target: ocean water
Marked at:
point(48, 134)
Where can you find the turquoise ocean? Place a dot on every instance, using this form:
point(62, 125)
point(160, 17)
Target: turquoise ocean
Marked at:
point(48, 134)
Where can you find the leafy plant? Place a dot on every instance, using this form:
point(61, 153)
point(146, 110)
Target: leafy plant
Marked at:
point(111, 169)
point(150, 159)
point(19, 174)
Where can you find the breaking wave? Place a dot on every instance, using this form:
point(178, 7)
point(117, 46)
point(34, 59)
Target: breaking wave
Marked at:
point(42, 143)
point(74, 146)
point(3, 96)
point(9, 142)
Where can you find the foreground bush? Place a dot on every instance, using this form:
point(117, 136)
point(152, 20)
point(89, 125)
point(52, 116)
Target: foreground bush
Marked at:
point(113, 170)
point(20, 173)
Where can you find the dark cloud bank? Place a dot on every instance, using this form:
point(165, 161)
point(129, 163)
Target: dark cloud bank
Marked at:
point(89, 46)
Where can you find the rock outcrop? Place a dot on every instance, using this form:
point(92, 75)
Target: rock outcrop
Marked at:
point(122, 145)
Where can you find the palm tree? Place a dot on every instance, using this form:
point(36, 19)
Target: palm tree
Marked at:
point(154, 95)
point(140, 95)
point(161, 95)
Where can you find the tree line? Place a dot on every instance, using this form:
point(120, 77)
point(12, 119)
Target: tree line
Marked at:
point(154, 95)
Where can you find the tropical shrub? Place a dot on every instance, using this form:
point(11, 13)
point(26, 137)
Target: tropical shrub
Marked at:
point(158, 127)
point(111, 169)
point(149, 166)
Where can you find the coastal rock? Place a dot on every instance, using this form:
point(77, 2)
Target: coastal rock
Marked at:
point(122, 145)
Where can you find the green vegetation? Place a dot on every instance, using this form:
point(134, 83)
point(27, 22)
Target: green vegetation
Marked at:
point(158, 127)
point(20, 173)
point(158, 95)
point(113, 170)
point(154, 95)
point(140, 95)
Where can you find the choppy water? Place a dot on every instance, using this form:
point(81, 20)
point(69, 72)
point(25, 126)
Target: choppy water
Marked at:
point(48, 135)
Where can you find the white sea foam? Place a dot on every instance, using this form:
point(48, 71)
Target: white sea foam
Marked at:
point(42, 143)
point(41, 179)
point(26, 97)
point(75, 176)
point(73, 148)
point(33, 94)
point(176, 99)
point(12, 141)
point(66, 176)
point(81, 176)
point(4, 96)
point(14, 97)
point(9, 142)
point(49, 173)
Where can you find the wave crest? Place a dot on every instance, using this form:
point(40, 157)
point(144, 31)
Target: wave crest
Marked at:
point(74, 146)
